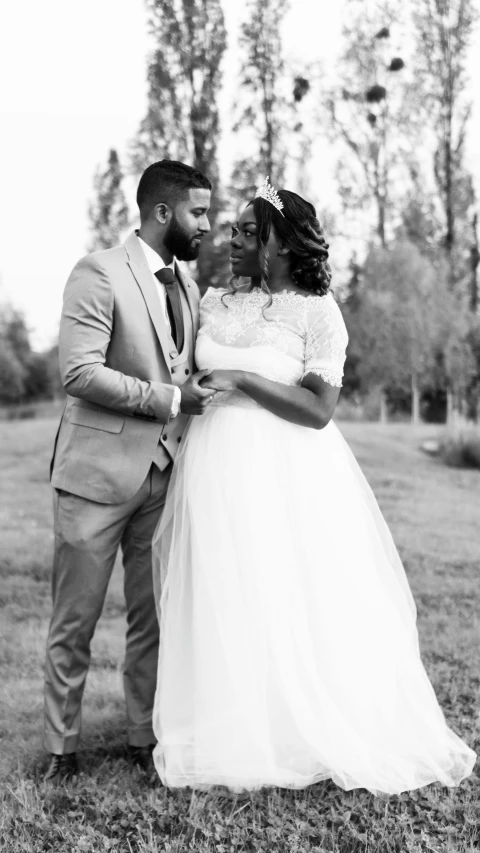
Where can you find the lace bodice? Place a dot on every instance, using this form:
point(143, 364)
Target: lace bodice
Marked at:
point(297, 335)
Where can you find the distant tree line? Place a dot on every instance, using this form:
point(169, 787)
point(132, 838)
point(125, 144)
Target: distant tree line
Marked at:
point(412, 301)
point(26, 376)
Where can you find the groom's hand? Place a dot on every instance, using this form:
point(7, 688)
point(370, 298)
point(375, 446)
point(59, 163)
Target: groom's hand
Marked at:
point(194, 398)
point(221, 380)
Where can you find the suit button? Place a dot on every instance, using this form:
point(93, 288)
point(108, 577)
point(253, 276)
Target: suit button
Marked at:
point(187, 371)
point(179, 438)
point(164, 437)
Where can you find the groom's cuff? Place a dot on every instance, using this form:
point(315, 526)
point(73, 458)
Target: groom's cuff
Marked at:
point(176, 402)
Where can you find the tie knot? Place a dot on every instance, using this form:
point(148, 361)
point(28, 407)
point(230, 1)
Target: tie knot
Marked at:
point(165, 275)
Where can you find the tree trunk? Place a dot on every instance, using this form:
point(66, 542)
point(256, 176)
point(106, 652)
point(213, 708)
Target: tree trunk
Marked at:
point(474, 260)
point(383, 407)
point(450, 407)
point(415, 402)
point(450, 233)
point(269, 167)
point(381, 220)
point(380, 202)
point(449, 210)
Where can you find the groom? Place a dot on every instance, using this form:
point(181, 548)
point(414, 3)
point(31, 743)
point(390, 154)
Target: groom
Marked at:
point(127, 334)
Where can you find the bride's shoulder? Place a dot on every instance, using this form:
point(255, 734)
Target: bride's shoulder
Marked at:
point(325, 311)
point(323, 305)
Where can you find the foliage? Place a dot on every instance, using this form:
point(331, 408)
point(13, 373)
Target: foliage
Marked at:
point(25, 375)
point(443, 31)
point(409, 333)
point(458, 352)
point(182, 120)
point(274, 123)
point(462, 450)
point(367, 113)
point(15, 354)
point(420, 223)
point(433, 511)
point(14, 332)
point(261, 78)
point(108, 213)
point(184, 76)
point(13, 374)
point(398, 318)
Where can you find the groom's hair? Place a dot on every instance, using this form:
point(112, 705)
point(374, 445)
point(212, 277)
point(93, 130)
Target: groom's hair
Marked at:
point(167, 181)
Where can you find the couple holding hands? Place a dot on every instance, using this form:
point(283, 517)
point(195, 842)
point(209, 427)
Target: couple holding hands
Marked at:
point(271, 635)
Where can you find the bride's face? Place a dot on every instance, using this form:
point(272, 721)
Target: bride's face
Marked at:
point(244, 254)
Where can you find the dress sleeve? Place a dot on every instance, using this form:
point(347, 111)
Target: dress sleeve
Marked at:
point(326, 342)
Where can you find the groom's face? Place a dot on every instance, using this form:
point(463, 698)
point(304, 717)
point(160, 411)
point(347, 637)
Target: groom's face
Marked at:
point(188, 225)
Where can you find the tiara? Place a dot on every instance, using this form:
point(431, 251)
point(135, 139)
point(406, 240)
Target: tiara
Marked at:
point(269, 194)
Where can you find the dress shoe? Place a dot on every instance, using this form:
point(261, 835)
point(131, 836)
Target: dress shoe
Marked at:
point(141, 757)
point(61, 769)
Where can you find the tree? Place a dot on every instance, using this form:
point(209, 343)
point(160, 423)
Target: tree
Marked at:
point(420, 223)
point(443, 30)
point(184, 79)
point(474, 262)
point(351, 307)
point(14, 333)
point(13, 375)
point(108, 213)
point(371, 346)
point(459, 359)
point(262, 79)
point(366, 111)
point(55, 380)
point(399, 323)
point(25, 375)
point(15, 354)
point(39, 381)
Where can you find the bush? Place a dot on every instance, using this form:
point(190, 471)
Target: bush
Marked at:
point(462, 450)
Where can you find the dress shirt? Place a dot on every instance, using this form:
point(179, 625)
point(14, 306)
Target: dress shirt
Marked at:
point(156, 263)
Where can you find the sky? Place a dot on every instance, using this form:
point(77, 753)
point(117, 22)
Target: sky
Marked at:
point(73, 86)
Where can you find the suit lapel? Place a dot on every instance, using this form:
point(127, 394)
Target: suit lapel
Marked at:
point(146, 282)
point(184, 284)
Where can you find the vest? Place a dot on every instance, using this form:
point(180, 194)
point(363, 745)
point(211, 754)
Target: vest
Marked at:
point(182, 367)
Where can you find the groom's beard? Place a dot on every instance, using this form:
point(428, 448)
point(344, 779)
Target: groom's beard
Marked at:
point(179, 242)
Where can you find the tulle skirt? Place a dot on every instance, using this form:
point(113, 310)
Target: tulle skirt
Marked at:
point(289, 651)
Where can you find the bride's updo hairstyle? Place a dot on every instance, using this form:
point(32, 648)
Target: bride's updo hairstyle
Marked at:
point(299, 230)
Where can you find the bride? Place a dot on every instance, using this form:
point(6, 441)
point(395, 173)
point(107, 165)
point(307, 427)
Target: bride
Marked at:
point(289, 651)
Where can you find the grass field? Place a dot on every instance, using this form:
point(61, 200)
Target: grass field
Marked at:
point(434, 513)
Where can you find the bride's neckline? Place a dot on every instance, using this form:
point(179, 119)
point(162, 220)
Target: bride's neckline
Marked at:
point(257, 291)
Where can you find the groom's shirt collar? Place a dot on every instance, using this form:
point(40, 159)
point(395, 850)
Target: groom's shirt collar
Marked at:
point(154, 261)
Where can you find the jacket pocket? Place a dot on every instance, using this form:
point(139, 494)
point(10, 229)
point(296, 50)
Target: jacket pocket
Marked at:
point(82, 416)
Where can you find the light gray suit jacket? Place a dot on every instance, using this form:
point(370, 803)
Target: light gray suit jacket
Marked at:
point(118, 365)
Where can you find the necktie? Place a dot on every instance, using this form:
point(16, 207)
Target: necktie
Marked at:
point(174, 306)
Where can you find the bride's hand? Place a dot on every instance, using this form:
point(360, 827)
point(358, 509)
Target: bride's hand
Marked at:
point(221, 380)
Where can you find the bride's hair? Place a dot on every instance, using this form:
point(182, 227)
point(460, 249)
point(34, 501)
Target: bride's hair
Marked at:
point(299, 230)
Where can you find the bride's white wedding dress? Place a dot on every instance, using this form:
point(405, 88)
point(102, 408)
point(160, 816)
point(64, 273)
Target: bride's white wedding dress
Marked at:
point(289, 651)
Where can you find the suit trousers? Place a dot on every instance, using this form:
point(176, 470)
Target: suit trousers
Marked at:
point(87, 538)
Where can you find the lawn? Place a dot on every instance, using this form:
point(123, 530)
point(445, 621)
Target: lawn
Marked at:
point(434, 513)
